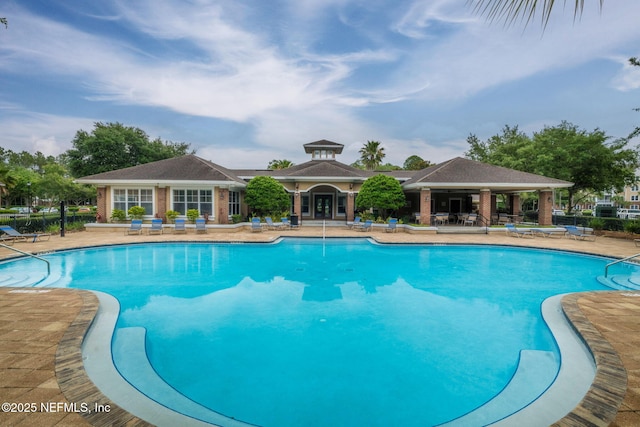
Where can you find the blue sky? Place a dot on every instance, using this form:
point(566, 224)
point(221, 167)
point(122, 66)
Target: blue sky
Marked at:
point(245, 82)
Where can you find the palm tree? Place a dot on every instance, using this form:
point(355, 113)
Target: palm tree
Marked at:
point(510, 10)
point(6, 178)
point(371, 155)
point(279, 164)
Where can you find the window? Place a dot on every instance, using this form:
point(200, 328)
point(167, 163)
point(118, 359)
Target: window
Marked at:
point(125, 198)
point(234, 203)
point(342, 205)
point(201, 200)
point(304, 204)
point(634, 198)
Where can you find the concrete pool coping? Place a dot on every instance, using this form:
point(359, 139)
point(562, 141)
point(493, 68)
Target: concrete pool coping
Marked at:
point(628, 414)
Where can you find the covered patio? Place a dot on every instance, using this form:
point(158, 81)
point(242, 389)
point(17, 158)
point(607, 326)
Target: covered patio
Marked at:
point(448, 191)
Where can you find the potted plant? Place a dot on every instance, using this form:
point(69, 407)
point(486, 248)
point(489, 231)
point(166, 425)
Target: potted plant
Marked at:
point(136, 212)
point(192, 214)
point(172, 215)
point(118, 215)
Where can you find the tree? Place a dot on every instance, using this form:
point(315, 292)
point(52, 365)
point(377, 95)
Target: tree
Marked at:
point(564, 152)
point(512, 10)
point(371, 154)
point(415, 163)
point(113, 146)
point(266, 196)
point(279, 164)
point(380, 192)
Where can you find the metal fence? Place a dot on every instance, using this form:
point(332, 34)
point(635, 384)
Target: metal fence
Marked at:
point(31, 223)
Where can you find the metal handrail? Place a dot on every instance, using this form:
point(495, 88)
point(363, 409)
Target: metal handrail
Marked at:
point(28, 254)
point(606, 267)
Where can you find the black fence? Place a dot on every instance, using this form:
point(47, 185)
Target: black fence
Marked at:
point(32, 223)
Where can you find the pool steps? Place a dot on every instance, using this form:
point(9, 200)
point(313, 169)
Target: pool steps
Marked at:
point(535, 372)
point(622, 282)
point(130, 358)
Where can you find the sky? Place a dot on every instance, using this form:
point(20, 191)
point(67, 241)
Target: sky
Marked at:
point(248, 81)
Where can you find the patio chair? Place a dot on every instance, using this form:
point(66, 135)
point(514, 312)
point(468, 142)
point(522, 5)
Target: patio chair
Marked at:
point(180, 226)
point(577, 234)
point(472, 219)
point(156, 226)
point(518, 232)
point(392, 228)
point(255, 224)
point(136, 227)
point(270, 224)
point(356, 222)
point(287, 224)
point(366, 226)
point(201, 226)
point(23, 237)
point(549, 232)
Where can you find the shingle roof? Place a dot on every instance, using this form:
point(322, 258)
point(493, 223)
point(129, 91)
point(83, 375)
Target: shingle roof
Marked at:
point(473, 174)
point(185, 168)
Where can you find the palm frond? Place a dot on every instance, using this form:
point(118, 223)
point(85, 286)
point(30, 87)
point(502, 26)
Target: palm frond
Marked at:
point(512, 10)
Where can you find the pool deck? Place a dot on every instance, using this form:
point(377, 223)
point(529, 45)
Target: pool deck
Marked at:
point(41, 332)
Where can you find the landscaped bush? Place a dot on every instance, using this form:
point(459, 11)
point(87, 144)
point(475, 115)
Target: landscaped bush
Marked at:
point(118, 215)
point(192, 214)
point(172, 215)
point(632, 226)
point(136, 212)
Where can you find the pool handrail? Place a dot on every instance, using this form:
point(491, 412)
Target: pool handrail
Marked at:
point(606, 267)
point(29, 254)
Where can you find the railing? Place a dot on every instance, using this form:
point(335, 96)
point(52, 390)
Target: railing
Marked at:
point(28, 254)
point(606, 267)
point(486, 221)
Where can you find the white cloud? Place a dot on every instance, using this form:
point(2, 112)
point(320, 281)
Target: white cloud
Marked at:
point(32, 132)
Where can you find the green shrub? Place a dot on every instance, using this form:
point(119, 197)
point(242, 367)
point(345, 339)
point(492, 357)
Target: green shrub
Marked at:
point(587, 212)
point(192, 214)
point(632, 226)
point(118, 215)
point(596, 223)
point(172, 215)
point(236, 219)
point(136, 212)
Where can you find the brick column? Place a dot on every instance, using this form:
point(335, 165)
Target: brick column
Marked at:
point(514, 202)
point(161, 203)
point(101, 212)
point(297, 205)
point(545, 204)
point(425, 206)
point(223, 206)
point(351, 203)
point(484, 206)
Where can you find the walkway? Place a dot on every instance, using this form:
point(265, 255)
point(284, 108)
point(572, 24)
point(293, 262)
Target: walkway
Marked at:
point(41, 331)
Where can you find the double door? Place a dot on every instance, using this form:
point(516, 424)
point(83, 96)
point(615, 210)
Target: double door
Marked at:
point(323, 206)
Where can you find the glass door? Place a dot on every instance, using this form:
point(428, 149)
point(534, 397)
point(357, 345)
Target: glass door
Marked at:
point(323, 206)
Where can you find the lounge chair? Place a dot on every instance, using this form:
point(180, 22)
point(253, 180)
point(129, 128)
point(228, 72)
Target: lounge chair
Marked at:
point(577, 234)
point(392, 228)
point(180, 226)
point(136, 227)
point(7, 240)
point(550, 232)
point(287, 224)
point(518, 232)
point(270, 224)
point(365, 227)
point(23, 237)
point(201, 226)
point(156, 227)
point(356, 222)
point(255, 224)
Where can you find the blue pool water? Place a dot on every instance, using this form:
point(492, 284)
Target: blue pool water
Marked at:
point(330, 333)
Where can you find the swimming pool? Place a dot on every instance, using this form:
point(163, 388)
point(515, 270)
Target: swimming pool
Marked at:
point(335, 332)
